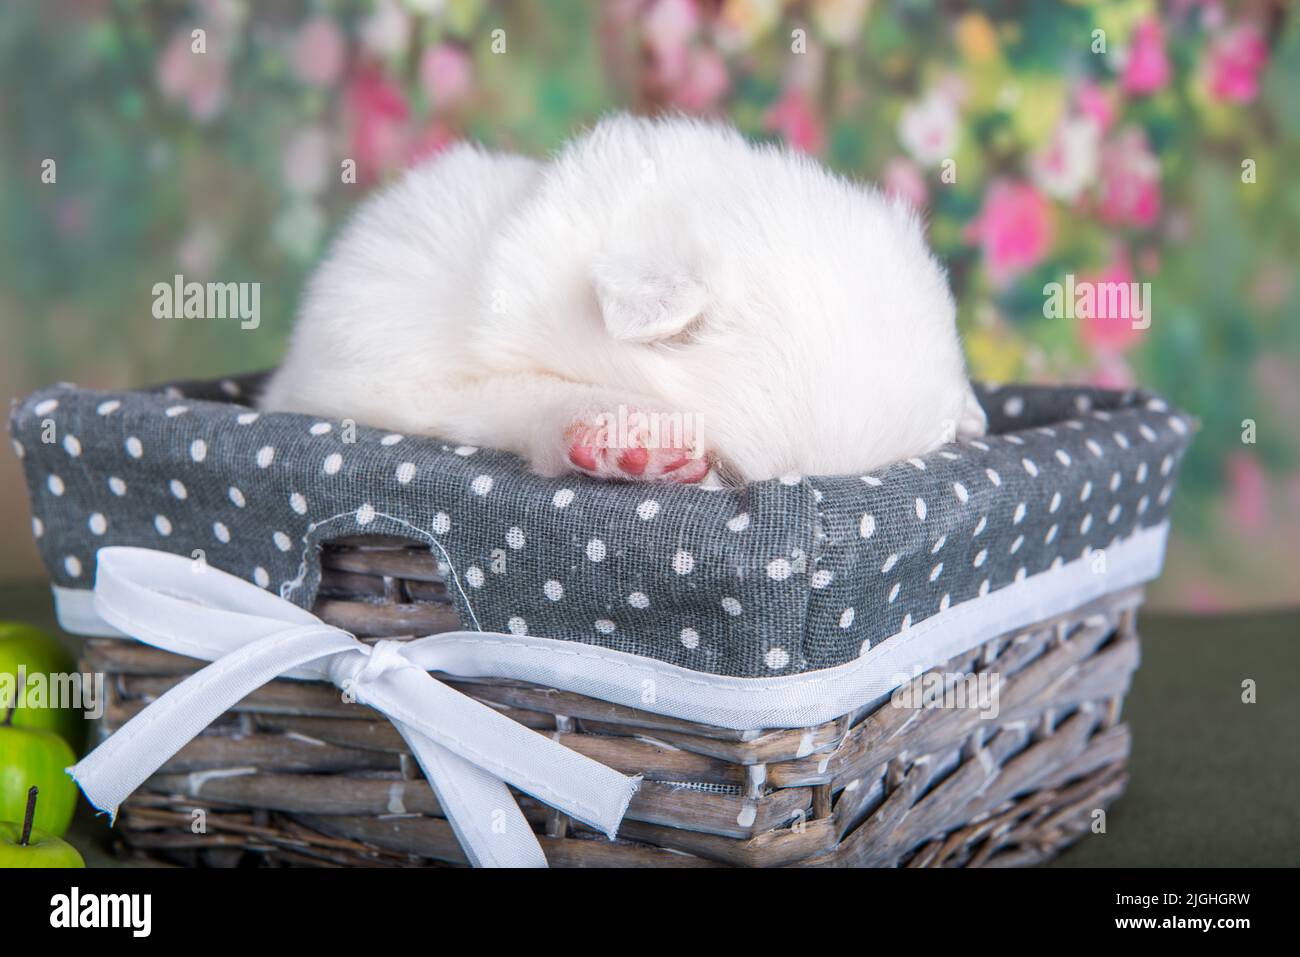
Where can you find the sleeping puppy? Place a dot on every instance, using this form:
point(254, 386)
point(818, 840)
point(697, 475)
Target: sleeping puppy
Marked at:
point(661, 301)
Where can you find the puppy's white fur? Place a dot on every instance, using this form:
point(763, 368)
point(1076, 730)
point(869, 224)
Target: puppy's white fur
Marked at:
point(659, 264)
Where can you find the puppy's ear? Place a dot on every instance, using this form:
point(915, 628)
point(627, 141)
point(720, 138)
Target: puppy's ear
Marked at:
point(643, 302)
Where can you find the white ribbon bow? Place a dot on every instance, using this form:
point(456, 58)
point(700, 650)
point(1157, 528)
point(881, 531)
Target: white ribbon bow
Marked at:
point(467, 750)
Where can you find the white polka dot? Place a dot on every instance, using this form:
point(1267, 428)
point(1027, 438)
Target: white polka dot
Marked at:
point(821, 578)
point(174, 410)
point(1141, 474)
point(1085, 524)
point(1055, 504)
point(517, 626)
point(690, 638)
point(391, 439)
point(938, 544)
point(466, 450)
point(109, 407)
point(683, 562)
point(441, 523)
point(265, 456)
point(1093, 447)
point(778, 569)
point(298, 503)
point(553, 590)
point(791, 478)
point(46, 407)
point(55, 485)
point(944, 602)
point(1085, 493)
point(980, 526)
point(1114, 482)
point(596, 550)
point(920, 509)
point(776, 658)
point(739, 523)
point(98, 523)
point(1015, 546)
point(365, 514)
point(994, 477)
point(282, 541)
point(320, 428)
point(333, 462)
point(893, 592)
point(917, 464)
point(890, 562)
point(604, 626)
point(18, 448)
point(846, 617)
point(198, 450)
point(405, 472)
point(1148, 433)
point(1114, 514)
point(867, 527)
point(1143, 503)
point(1050, 536)
point(638, 599)
point(72, 565)
point(1021, 574)
point(1019, 515)
point(980, 557)
point(960, 490)
point(1083, 402)
point(936, 571)
point(247, 418)
point(731, 606)
point(163, 524)
point(116, 486)
point(563, 498)
point(984, 587)
point(178, 490)
point(260, 577)
point(1164, 495)
point(1014, 406)
point(982, 446)
point(1166, 465)
point(1013, 439)
point(237, 497)
point(872, 480)
point(647, 510)
point(515, 537)
point(1063, 457)
point(38, 527)
point(134, 447)
point(474, 576)
point(1121, 440)
point(230, 387)
point(1030, 467)
point(220, 530)
point(72, 445)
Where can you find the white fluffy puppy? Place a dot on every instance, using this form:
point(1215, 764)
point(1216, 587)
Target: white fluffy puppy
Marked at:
point(661, 297)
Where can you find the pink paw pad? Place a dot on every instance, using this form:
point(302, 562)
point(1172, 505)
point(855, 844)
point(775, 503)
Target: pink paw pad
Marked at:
point(630, 454)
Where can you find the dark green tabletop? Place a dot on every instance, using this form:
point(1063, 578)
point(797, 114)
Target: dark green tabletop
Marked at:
point(1214, 781)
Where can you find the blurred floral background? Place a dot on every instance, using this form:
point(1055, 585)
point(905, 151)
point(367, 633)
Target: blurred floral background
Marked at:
point(1112, 140)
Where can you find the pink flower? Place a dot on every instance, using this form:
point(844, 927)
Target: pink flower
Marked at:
point(1014, 230)
point(795, 118)
point(446, 74)
point(668, 29)
point(902, 179)
point(705, 82)
point(1234, 62)
point(377, 113)
point(1147, 69)
point(318, 52)
point(1247, 492)
point(928, 128)
point(1096, 104)
point(1067, 165)
point(1130, 181)
point(432, 141)
point(1110, 330)
point(199, 80)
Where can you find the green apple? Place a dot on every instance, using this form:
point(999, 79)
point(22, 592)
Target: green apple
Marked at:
point(32, 757)
point(40, 654)
point(23, 845)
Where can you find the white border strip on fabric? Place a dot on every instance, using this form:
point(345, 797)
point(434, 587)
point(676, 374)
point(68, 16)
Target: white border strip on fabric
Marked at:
point(789, 701)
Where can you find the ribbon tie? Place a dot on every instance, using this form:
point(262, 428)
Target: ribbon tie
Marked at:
point(467, 750)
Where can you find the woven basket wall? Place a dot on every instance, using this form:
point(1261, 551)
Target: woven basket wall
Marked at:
point(295, 776)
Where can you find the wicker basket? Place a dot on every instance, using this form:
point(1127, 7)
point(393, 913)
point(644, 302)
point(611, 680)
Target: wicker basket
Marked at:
point(295, 776)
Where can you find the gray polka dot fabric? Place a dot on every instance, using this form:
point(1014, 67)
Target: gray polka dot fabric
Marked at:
point(776, 578)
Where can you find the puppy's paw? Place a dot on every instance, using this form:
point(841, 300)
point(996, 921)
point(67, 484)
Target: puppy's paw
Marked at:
point(634, 446)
